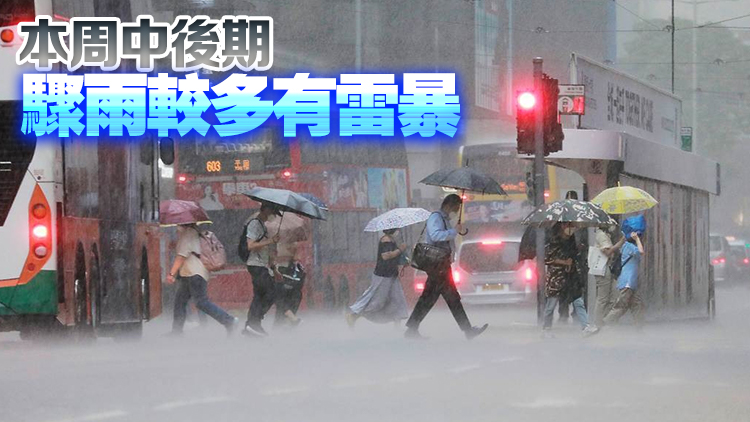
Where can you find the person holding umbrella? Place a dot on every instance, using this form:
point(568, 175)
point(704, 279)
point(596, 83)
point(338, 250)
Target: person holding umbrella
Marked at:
point(564, 218)
point(259, 245)
point(187, 269)
point(440, 278)
point(563, 277)
point(384, 299)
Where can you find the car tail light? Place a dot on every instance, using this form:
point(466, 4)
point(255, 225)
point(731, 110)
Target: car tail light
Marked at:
point(746, 261)
point(419, 287)
point(492, 242)
point(718, 260)
point(182, 178)
point(456, 277)
point(529, 274)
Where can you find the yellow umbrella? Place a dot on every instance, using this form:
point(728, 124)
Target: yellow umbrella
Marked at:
point(624, 200)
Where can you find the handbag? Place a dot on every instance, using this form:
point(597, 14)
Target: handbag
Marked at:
point(427, 257)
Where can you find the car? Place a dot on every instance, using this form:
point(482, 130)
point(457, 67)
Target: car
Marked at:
point(739, 256)
point(487, 272)
point(719, 252)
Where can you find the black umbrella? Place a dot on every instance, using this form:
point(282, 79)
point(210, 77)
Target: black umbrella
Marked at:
point(286, 200)
point(464, 179)
point(580, 213)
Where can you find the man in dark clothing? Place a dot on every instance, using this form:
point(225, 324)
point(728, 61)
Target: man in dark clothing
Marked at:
point(440, 279)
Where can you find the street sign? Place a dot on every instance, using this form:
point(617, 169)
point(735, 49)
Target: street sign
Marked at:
point(621, 103)
point(686, 133)
point(572, 100)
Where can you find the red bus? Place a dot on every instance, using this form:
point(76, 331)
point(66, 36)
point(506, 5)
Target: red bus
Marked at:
point(355, 181)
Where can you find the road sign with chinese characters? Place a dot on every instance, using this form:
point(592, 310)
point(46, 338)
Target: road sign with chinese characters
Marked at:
point(572, 100)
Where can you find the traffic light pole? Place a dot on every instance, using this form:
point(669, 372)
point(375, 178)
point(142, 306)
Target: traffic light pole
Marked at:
point(539, 184)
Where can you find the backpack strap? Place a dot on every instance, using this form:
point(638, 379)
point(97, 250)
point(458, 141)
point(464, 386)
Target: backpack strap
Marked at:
point(263, 226)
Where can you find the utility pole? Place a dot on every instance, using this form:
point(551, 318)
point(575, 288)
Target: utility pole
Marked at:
point(695, 74)
point(539, 182)
point(673, 31)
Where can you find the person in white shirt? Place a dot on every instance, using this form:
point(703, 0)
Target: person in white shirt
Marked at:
point(192, 277)
point(259, 265)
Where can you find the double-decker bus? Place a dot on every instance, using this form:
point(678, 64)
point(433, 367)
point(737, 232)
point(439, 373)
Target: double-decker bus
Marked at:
point(78, 218)
point(355, 182)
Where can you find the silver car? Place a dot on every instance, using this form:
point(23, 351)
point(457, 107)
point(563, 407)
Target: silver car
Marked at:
point(719, 253)
point(487, 271)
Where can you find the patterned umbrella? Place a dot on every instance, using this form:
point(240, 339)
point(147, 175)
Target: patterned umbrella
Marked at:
point(397, 218)
point(580, 213)
point(173, 212)
point(624, 200)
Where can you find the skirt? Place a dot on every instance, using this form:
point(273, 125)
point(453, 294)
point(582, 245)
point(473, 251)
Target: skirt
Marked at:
point(383, 301)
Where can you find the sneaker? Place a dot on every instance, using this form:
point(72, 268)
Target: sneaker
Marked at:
point(254, 330)
point(296, 322)
point(547, 333)
point(413, 334)
point(475, 331)
point(590, 330)
point(232, 326)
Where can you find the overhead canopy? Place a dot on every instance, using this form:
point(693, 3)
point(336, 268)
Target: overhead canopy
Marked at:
point(640, 157)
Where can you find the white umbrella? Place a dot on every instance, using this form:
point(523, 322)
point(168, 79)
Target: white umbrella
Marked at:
point(397, 218)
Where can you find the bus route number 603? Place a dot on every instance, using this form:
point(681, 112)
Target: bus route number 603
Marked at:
point(213, 166)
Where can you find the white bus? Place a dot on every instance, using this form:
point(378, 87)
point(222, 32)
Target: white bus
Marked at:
point(78, 217)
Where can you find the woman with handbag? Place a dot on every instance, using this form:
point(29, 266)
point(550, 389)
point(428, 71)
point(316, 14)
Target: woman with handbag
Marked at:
point(384, 300)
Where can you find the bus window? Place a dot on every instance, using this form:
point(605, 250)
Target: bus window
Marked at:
point(16, 152)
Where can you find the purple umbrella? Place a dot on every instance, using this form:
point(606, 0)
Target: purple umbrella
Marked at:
point(174, 212)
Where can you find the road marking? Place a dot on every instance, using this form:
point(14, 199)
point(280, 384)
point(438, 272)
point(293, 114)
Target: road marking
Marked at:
point(408, 378)
point(462, 369)
point(353, 384)
point(547, 404)
point(506, 360)
point(284, 391)
point(95, 417)
point(194, 402)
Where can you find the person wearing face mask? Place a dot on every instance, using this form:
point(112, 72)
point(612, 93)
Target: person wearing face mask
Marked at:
point(259, 246)
point(563, 278)
point(384, 300)
point(440, 279)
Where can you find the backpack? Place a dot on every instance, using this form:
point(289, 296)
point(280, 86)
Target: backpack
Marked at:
point(213, 256)
point(242, 249)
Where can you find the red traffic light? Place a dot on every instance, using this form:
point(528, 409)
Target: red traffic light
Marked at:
point(526, 100)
